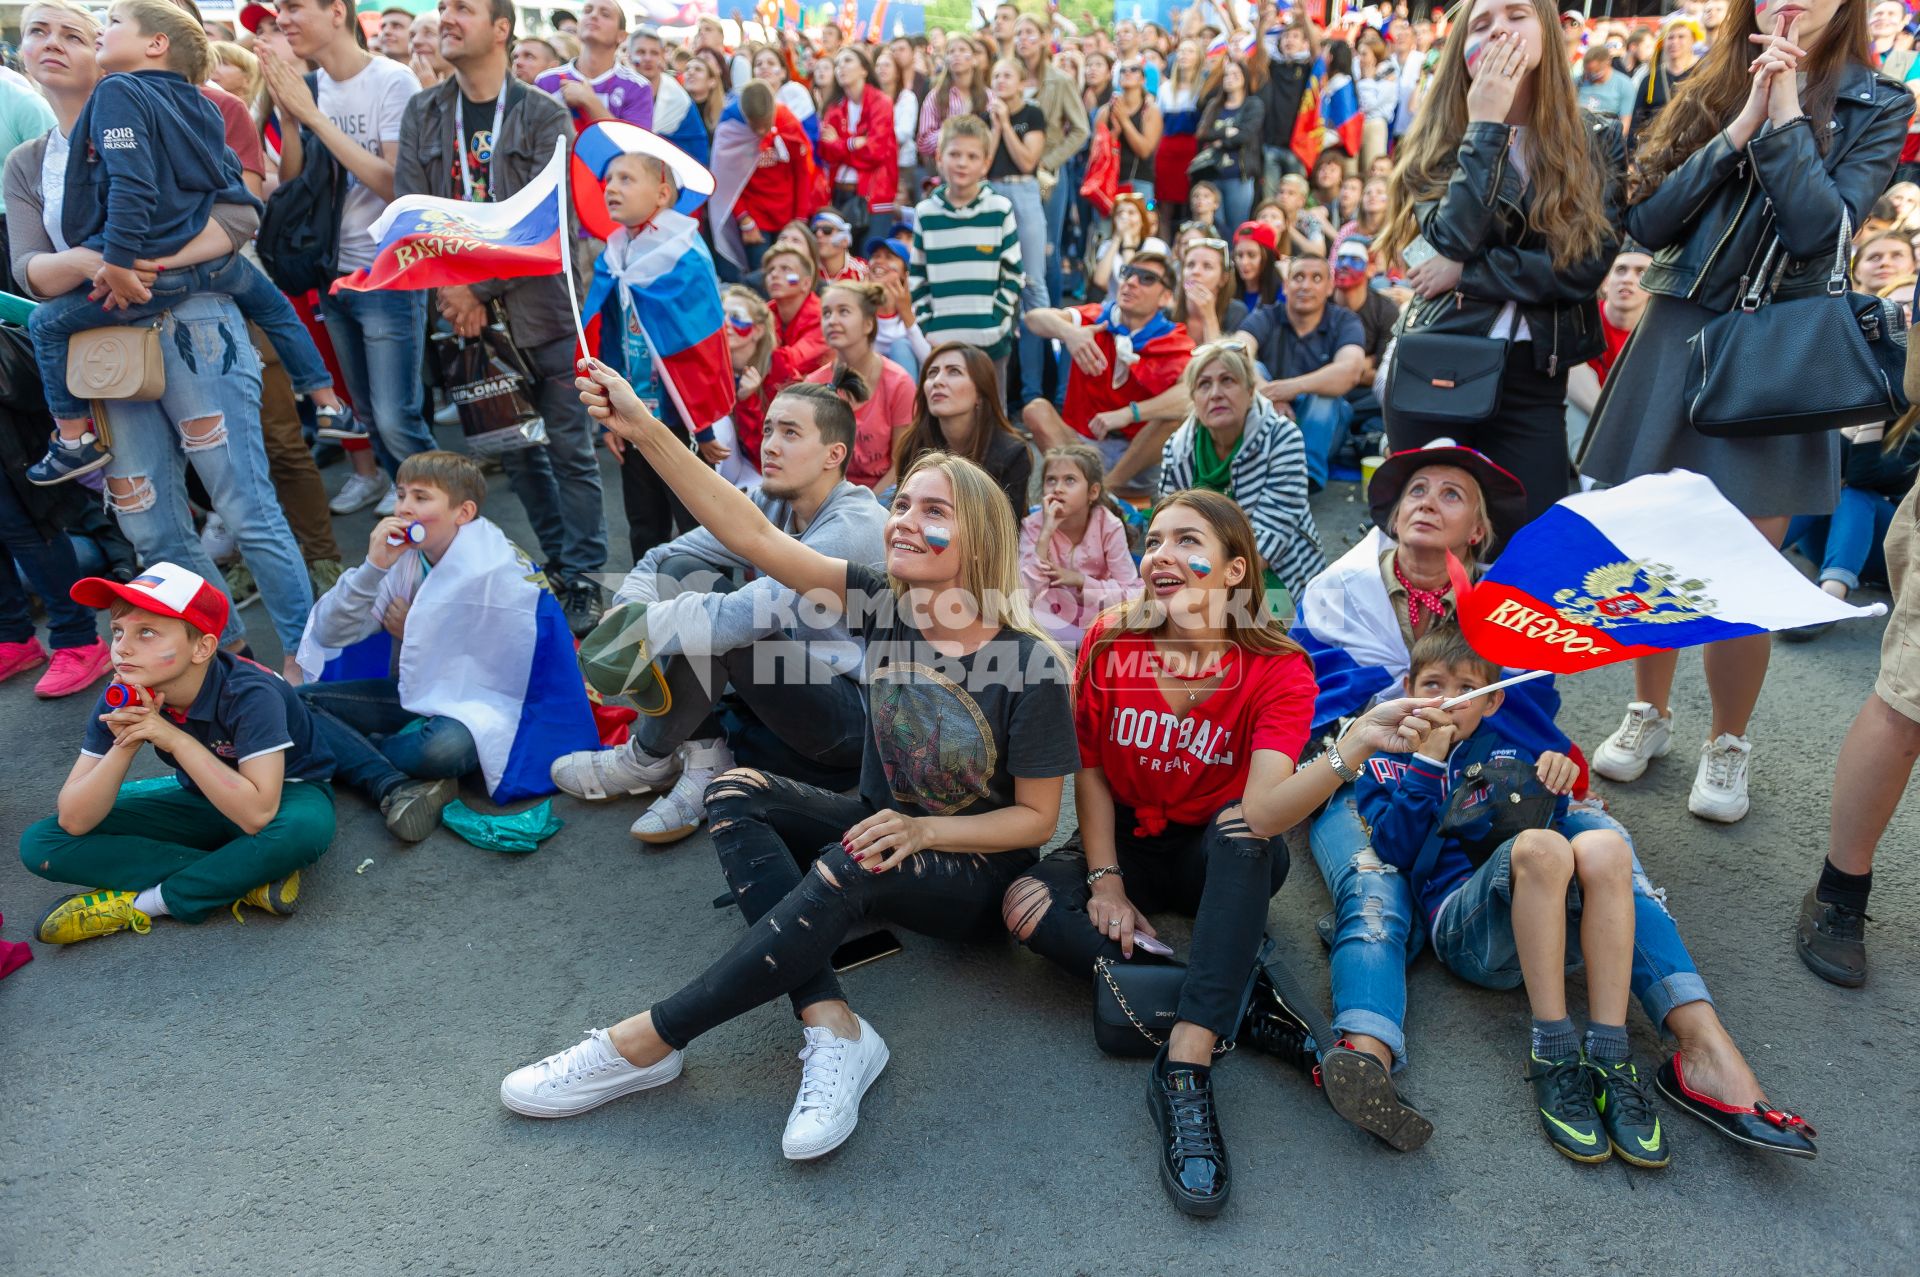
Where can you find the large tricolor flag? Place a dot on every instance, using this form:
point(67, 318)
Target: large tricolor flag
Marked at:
point(600, 144)
point(428, 242)
point(1659, 563)
point(733, 157)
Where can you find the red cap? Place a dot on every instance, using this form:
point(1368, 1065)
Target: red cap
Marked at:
point(165, 589)
point(1259, 233)
point(252, 15)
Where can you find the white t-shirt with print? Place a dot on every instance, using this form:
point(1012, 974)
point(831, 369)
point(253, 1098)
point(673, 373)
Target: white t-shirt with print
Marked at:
point(367, 107)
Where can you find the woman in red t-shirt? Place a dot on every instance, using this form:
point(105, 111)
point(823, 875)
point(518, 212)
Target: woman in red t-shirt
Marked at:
point(1191, 707)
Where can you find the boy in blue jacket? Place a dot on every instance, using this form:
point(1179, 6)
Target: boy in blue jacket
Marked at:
point(1502, 920)
point(149, 160)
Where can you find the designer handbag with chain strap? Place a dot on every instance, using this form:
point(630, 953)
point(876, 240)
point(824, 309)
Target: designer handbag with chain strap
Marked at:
point(116, 363)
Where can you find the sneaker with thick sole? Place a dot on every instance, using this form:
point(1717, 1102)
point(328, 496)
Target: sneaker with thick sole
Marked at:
point(18, 658)
point(1194, 1169)
point(358, 492)
point(338, 424)
point(281, 898)
point(681, 809)
point(65, 461)
point(90, 915)
point(1643, 735)
point(74, 669)
point(412, 812)
point(1563, 1093)
point(1720, 782)
point(1832, 940)
point(1627, 1112)
point(582, 1077)
point(599, 774)
point(835, 1073)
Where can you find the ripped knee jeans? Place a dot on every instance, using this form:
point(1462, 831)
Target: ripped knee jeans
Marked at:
point(1375, 934)
point(1220, 874)
point(779, 846)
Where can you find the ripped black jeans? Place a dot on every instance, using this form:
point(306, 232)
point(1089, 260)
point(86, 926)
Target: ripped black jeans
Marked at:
point(1220, 874)
point(779, 845)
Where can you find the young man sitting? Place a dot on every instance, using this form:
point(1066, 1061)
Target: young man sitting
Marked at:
point(802, 680)
point(252, 806)
point(405, 741)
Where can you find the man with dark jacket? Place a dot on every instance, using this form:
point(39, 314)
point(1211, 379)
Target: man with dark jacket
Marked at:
point(481, 136)
point(1283, 73)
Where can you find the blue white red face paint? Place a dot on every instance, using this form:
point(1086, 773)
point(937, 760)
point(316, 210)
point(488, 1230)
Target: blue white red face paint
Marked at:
point(938, 539)
point(1477, 47)
point(416, 533)
point(1200, 565)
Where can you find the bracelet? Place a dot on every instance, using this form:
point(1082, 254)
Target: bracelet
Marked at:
point(1348, 775)
point(1134, 408)
point(1102, 872)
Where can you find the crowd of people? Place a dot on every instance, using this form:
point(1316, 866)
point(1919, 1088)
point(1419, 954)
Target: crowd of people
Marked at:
point(1038, 340)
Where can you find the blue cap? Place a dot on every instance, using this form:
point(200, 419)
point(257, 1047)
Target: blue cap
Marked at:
point(898, 247)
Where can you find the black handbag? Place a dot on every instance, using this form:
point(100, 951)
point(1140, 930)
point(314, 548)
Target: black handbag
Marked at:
point(1747, 369)
point(1206, 162)
point(1136, 1004)
point(1448, 377)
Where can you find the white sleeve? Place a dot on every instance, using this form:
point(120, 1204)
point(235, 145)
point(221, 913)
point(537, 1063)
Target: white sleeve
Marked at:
point(394, 95)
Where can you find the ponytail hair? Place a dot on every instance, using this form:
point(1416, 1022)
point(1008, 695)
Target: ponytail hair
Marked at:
point(870, 297)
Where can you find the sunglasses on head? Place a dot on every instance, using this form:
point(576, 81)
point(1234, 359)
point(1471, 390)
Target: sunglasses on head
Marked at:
point(1209, 242)
point(1141, 275)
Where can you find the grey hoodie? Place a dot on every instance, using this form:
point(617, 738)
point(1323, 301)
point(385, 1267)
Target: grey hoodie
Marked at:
point(848, 525)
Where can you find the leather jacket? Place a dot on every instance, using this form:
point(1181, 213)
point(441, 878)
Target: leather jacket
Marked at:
point(1480, 220)
point(1709, 224)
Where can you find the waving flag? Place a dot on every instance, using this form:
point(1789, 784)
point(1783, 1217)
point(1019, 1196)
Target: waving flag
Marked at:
point(1659, 563)
point(428, 242)
point(1340, 119)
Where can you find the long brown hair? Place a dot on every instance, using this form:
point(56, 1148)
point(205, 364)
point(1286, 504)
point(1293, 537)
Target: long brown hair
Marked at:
point(1564, 172)
point(989, 415)
point(1230, 284)
point(1712, 95)
point(1249, 625)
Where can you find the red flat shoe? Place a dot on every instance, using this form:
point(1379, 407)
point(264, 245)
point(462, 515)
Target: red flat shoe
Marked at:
point(1773, 1130)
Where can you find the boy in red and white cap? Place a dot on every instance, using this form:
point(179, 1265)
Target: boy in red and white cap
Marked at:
point(253, 804)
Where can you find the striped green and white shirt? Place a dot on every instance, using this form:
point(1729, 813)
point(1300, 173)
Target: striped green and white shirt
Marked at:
point(965, 274)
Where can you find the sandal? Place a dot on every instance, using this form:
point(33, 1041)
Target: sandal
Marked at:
point(1773, 1130)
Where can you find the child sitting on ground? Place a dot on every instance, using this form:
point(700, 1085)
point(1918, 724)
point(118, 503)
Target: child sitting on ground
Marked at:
point(142, 182)
point(1498, 908)
point(1074, 560)
point(253, 805)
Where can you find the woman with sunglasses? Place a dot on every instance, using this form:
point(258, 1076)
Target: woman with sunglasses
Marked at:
point(1205, 302)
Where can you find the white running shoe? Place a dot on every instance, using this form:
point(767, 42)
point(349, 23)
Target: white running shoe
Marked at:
point(680, 812)
point(599, 774)
point(1643, 735)
point(387, 502)
point(836, 1073)
point(1720, 784)
point(358, 492)
point(584, 1076)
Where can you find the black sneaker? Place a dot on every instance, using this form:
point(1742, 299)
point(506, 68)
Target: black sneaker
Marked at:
point(1627, 1112)
point(1832, 941)
point(1271, 1027)
point(580, 600)
point(1193, 1155)
point(1563, 1092)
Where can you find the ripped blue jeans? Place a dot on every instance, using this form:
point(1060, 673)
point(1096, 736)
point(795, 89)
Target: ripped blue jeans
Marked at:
point(1375, 937)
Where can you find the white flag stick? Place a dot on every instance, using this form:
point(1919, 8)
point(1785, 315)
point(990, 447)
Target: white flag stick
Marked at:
point(566, 253)
point(1494, 687)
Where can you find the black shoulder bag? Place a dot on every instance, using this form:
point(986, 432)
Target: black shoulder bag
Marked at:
point(299, 239)
point(1445, 377)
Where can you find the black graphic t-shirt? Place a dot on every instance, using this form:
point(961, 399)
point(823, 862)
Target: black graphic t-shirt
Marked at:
point(949, 733)
point(476, 139)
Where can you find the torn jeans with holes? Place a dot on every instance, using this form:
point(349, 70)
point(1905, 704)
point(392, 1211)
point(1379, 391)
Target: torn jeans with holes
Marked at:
point(209, 418)
point(779, 845)
point(1373, 933)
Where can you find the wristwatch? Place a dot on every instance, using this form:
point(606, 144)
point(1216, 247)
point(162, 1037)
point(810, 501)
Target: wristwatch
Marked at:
point(1347, 775)
point(1100, 873)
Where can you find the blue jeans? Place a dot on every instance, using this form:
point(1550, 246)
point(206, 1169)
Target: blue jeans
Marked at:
point(380, 746)
point(1847, 542)
point(559, 485)
point(1473, 934)
point(1323, 424)
point(1236, 202)
point(209, 417)
point(378, 339)
point(1035, 249)
point(1076, 225)
point(1374, 936)
point(53, 322)
point(50, 568)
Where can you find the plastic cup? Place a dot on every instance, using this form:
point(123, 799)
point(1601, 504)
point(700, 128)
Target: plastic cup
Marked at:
point(1367, 466)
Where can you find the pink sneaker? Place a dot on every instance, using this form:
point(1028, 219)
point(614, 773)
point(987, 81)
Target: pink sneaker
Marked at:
point(18, 657)
point(74, 669)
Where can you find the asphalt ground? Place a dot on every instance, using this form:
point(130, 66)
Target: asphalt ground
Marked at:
point(318, 1095)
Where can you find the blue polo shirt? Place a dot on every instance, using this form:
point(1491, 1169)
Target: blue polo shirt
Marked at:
point(243, 710)
point(1285, 353)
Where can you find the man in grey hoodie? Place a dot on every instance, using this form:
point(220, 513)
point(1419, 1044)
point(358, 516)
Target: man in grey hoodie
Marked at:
point(799, 676)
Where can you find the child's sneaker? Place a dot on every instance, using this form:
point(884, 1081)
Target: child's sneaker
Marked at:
point(281, 898)
point(1643, 735)
point(1563, 1090)
point(90, 914)
point(337, 423)
point(18, 658)
point(1627, 1112)
point(74, 669)
point(1720, 783)
point(66, 461)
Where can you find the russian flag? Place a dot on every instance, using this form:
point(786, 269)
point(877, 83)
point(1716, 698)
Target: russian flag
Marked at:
point(1659, 563)
point(600, 144)
point(427, 242)
point(1340, 116)
point(733, 156)
point(661, 277)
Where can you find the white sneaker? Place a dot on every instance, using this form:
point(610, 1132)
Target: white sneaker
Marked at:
point(599, 774)
point(1643, 735)
point(680, 812)
point(584, 1076)
point(1720, 784)
point(217, 539)
point(836, 1073)
point(358, 492)
point(388, 500)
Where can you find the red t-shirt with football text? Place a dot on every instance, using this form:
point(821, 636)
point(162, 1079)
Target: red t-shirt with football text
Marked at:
point(1161, 363)
point(1182, 769)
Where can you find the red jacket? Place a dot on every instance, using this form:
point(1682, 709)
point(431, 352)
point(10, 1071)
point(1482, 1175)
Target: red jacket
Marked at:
point(782, 189)
point(878, 162)
point(800, 347)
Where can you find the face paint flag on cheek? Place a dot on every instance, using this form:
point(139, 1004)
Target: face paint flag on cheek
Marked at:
point(1199, 565)
point(938, 539)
